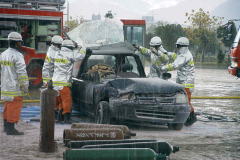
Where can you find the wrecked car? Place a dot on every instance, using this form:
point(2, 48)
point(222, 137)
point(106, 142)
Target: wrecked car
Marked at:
point(111, 85)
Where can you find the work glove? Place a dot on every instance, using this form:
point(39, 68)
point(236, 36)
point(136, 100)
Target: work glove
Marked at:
point(136, 46)
point(163, 68)
point(88, 52)
point(44, 84)
point(24, 89)
point(153, 50)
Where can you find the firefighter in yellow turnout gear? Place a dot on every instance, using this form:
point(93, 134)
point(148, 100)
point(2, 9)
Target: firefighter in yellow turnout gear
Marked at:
point(14, 83)
point(62, 76)
point(184, 65)
point(48, 67)
point(158, 56)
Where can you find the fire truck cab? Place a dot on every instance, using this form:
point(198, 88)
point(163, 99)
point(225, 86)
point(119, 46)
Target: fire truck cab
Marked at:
point(37, 21)
point(134, 31)
point(234, 68)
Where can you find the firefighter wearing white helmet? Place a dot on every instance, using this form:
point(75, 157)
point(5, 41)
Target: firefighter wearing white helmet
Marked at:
point(62, 77)
point(14, 82)
point(48, 67)
point(184, 65)
point(157, 54)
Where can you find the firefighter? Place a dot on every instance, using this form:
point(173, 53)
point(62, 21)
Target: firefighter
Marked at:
point(47, 71)
point(14, 83)
point(157, 54)
point(63, 66)
point(184, 65)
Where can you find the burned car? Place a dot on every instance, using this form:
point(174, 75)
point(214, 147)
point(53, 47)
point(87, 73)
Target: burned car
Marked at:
point(111, 85)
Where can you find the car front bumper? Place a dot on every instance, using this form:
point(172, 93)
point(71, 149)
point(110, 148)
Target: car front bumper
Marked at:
point(152, 113)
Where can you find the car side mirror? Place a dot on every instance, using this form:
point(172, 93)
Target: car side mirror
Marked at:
point(166, 76)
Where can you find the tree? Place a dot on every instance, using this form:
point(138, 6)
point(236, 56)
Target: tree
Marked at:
point(227, 33)
point(72, 23)
point(109, 15)
point(202, 32)
point(169, 34)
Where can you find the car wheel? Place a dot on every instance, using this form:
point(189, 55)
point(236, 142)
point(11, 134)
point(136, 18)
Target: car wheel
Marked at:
point(175, 126)
point(102, 115)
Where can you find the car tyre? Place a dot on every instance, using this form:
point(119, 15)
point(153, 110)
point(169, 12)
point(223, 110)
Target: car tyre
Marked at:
point(102, 115)
point(175, 126)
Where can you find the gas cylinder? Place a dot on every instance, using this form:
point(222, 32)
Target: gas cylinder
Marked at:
point(79, 144)
point(92, 134)
point(127, 133)
point(47, 122)
point(113, 154)
point(159, 147)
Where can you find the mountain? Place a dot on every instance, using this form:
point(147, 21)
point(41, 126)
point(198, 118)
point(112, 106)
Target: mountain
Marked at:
point(228, 10)
point(166, 10)
point(176, 14)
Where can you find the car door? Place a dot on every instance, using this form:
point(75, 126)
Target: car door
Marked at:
point(82, 92)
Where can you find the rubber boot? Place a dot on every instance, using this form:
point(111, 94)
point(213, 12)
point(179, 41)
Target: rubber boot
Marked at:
point(56, 114)
point(191, 119)
point(67, 118)
point(60, 116)
point(4, 125)
point(10, 130)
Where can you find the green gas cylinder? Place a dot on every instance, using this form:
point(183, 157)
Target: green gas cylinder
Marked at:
point(79, 144)
point(159, 147)
point(113, 154)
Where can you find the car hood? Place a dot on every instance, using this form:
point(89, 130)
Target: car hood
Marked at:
point(145, 85)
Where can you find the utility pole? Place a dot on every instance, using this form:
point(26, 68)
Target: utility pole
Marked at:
point(68, 12)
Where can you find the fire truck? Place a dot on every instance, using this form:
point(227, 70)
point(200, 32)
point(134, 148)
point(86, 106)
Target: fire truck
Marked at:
point(134, 31)
point(234, 68)
point(37, 21)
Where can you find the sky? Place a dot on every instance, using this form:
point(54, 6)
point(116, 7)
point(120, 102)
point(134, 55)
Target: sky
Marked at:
point(165, 10)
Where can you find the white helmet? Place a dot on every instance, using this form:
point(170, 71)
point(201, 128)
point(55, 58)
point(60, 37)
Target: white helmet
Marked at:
point(182, 41)
point(57, 39)
point(15, 36)
point(67, 43)
point(156, 41)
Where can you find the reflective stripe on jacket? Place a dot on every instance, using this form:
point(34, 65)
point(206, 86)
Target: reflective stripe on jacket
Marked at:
point(63, 66)
point(48, 67)
point(13, 74)
point(185, 68)
point(157, 58)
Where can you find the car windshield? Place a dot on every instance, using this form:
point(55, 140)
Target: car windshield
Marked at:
point(110, 66)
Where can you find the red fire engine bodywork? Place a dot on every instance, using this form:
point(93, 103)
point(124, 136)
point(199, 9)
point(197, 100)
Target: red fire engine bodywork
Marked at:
point(234, 68)
point(30, 55)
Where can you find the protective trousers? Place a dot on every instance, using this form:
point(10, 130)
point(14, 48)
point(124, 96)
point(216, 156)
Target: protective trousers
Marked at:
point(12, 110)
point(64, 100)
point(189, 94)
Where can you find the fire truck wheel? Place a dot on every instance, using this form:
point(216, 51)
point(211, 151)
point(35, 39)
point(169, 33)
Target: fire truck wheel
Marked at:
point(35, 75)
point(102, 113)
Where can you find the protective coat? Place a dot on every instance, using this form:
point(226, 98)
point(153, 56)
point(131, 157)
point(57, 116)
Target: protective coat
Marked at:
point(157, 58)
point(184, 65)
point(63, 66)
point(48, 67)
point(14, 79)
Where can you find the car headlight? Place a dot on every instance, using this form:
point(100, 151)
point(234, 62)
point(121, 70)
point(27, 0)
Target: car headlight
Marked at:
point(127, 96)
point(181, 98)
point(234, 64)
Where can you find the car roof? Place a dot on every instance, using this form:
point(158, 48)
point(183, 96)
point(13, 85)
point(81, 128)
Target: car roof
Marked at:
point(114, 49)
